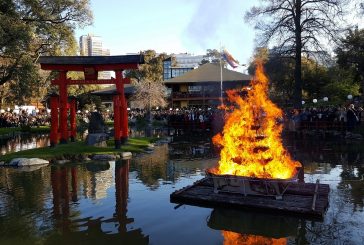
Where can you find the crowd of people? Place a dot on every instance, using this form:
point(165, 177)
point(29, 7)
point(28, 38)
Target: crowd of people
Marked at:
point(327, 118)
point(24, 118)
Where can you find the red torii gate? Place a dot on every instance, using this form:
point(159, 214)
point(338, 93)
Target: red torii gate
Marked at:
point(90, 65)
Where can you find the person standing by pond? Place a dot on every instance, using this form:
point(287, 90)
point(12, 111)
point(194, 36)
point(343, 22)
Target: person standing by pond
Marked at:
point(352, 117)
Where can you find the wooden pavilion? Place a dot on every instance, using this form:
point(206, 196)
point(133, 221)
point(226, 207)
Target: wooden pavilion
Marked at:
point(204, 85)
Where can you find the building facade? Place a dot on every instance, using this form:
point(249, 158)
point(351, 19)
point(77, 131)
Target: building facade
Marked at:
point(91, 45)
point(204, 86)
point(183, 63)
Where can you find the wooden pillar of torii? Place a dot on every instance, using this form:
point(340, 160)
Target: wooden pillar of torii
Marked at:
point(63, 109)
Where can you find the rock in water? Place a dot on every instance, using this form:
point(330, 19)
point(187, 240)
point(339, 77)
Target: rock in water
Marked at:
point(22, 162)
point(97, 139)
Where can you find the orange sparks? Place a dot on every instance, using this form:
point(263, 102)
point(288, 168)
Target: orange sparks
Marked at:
point(251, 139)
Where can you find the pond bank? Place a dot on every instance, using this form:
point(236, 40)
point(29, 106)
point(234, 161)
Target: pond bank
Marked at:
point(79, 150)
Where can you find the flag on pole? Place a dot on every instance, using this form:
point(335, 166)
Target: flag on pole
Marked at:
point(229, 59)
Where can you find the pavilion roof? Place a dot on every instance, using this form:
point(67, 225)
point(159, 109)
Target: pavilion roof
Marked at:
point(128, 89)
point(99, 62)
point(209, 72)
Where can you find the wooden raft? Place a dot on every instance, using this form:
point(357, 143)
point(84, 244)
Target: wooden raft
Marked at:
point(306, 199)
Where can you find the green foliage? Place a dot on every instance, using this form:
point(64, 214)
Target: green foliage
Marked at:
point(89, 102)
point(150, 91)
point(318, 81)
point(350, 54)
point(152, 70)
point(32, 28)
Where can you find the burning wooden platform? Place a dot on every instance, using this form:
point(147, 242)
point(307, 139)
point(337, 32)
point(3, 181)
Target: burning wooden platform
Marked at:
point(306, 199)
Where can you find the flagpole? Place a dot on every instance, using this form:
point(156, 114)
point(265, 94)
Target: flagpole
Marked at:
point(221, 100)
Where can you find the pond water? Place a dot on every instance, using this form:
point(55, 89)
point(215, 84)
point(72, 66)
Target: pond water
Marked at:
point(127, 202)
point(23, 142)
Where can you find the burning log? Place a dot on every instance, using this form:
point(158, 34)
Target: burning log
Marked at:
point(260, 137)
point(266, 161)
point(249, 185)
point(258, 149)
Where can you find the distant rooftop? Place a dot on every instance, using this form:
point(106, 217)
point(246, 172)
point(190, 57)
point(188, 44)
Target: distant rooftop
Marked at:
point(209, 72)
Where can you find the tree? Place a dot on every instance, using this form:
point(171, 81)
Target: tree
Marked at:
point(318, 81)
point(149, 89)
point(350, 54)
point(213, 56)
point(149, 94)
point(32, 28)
point(297, 27)
point(151, 70)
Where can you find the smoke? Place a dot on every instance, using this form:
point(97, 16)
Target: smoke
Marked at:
point(205, 28)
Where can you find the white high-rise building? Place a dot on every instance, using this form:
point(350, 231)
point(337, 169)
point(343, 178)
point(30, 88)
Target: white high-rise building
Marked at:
point(186, 60)
point(91, 45)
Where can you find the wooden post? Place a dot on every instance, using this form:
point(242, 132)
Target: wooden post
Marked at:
point(65, 193)
point(124, 116)
point(55, 183)
point(73, 118)
point(63, 106)
point(122, 109)
point(74, 184)
point(121, 192)
point(54, 120)
point(117, 130)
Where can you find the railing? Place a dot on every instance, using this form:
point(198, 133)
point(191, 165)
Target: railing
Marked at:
point(178, 95)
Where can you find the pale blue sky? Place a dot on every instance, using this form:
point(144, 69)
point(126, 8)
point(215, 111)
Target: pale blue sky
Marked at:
point(173, 26)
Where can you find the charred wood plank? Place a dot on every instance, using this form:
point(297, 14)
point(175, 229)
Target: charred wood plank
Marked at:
point(298, 201)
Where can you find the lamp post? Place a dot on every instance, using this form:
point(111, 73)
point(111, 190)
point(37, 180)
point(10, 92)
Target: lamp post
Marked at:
point(350, 97)
point(314, 101)
point(326, 99)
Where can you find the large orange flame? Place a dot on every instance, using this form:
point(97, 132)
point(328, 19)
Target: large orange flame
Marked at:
point(232, 238)
point(251, 138)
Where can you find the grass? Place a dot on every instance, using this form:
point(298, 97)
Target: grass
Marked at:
point(5, 131)
point(36, 130)
point(74, 149)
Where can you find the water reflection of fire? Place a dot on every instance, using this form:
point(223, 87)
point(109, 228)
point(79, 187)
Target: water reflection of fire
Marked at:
point(251, 139)
point(232, 238)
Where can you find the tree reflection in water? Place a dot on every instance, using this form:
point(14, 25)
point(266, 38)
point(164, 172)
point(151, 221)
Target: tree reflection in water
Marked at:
point(87, 203)
point(23, 142)
point(90, 230)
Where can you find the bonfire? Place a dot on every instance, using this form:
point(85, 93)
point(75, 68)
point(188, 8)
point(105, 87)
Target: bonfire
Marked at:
point(250, 142)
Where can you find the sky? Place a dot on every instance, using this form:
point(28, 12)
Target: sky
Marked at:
point(176, 26)
point(173, 26)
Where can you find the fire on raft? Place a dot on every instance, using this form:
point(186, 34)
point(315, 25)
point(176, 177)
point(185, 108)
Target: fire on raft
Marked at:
point(255, 171)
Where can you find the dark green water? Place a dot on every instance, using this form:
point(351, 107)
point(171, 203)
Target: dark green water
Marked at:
point(128, 202)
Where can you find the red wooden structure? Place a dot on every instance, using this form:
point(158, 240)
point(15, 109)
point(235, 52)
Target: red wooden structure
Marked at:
point(61, 106)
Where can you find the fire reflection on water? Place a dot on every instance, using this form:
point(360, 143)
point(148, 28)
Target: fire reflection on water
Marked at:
point(232, 238)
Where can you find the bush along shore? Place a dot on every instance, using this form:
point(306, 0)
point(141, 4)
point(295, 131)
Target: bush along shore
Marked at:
point(79, 151)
